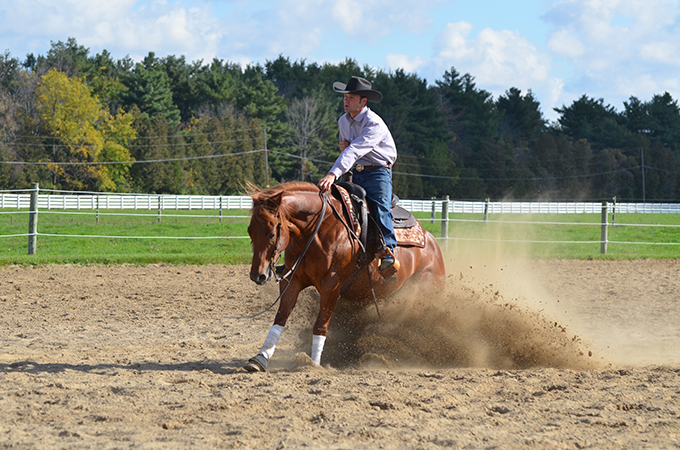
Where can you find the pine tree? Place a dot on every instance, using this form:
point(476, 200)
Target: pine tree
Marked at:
point(149, 88)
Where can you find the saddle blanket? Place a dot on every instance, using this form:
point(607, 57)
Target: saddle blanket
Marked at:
point(411, 237)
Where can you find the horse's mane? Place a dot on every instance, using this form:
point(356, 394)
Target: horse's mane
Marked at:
point(264, 208)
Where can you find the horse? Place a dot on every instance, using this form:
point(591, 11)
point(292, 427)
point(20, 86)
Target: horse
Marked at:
point(321, 251)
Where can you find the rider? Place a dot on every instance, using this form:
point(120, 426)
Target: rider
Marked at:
point(368, 150)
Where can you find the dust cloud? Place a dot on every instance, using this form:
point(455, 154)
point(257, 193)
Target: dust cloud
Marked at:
point(502, 310)
point(486, 317)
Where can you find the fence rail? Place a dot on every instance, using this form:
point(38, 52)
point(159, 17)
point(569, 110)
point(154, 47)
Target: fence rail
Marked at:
point(33, 202)
point(480, 207)
point(207, 202)
point(126, 201)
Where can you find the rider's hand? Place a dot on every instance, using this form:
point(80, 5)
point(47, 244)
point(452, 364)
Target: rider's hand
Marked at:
point(326, 182)
point(343, 145)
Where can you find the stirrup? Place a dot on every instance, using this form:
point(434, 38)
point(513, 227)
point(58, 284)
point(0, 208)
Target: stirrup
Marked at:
point(389, 275)
point(389, 272)
point(387, 262)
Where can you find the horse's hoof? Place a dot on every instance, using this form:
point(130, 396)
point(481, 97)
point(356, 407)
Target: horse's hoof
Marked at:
point(257, 363)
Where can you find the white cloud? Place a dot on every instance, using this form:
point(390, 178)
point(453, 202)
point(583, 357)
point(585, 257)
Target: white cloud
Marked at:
point(618, 48)
point(377, 17)
point(410, 17)
point(453, 43)
point(235, 30)
point(395, 61)
point(660, 52)
point(349, 15)
point(497, 59)
point(123, 27)
point(566, 43)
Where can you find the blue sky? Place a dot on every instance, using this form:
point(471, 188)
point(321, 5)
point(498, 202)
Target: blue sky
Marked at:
point(560, 49)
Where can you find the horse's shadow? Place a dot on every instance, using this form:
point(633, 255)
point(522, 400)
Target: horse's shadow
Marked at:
point(217, 367)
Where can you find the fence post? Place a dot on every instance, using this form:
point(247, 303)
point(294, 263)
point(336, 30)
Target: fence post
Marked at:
point(603, 234)
point(614, 211)
point(160, 207)
point(486, 209)
point(434, 206)
point(33, 220)
point(220, 209)
point(445, 222)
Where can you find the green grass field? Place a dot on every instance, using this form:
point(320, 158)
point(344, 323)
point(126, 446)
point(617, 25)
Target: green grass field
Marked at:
point(200, 237)
point(128, 237)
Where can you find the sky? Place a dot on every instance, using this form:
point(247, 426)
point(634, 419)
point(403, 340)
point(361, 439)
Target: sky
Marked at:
point(558, 49)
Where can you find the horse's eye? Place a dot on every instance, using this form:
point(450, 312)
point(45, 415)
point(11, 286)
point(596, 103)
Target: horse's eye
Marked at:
point(271, 236)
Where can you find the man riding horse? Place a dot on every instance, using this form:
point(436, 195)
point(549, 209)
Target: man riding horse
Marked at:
point(368, 151)
point(327, 258)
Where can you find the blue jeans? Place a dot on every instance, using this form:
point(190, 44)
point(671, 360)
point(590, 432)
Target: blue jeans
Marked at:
point(378, 186)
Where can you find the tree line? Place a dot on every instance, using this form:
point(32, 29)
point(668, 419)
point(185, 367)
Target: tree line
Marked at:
point(71, 120)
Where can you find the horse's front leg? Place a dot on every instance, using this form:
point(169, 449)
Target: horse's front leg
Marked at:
point(329, 298)
point(258, 363)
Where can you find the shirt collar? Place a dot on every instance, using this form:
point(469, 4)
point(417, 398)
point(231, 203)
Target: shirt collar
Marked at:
point(361, 116)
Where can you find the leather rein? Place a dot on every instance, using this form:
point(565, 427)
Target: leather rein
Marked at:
point(291, 272)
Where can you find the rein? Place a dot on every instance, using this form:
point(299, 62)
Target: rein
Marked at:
point(291, 272)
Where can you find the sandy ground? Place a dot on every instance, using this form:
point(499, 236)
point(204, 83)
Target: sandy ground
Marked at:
point(563, 354)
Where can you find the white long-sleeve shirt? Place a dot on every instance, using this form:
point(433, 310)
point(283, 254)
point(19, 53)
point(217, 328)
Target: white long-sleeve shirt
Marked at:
point(370, 142)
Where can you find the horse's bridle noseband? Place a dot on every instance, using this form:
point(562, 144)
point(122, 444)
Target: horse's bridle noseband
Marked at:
point(277, 254)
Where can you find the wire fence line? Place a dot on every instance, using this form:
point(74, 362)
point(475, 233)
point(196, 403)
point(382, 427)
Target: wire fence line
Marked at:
point(32, 201)
point(585, 224)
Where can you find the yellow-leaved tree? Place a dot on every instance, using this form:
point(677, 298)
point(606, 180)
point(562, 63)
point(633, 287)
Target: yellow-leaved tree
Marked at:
point(81, 133)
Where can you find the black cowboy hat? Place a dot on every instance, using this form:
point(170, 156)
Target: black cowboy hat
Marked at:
point(359, 86)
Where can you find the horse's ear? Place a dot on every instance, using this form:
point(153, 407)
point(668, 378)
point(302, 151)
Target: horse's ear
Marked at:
point(276, 199)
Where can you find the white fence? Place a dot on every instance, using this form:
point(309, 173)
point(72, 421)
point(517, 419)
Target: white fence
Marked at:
point(204, 202)
point(126, 201)
point(88, 201)
point(536, 207)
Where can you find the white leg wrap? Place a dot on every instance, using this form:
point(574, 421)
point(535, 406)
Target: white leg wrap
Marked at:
point(270, 343)
point(317, 348)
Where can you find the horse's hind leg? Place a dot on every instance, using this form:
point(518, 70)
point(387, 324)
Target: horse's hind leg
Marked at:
point(318, 342)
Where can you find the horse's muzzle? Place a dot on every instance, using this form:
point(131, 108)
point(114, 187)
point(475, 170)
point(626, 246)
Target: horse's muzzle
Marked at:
point(262, 278)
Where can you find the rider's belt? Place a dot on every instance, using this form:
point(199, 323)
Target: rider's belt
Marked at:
point(361, 167)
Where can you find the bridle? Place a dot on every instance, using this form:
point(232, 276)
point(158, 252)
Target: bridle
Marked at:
point(275, 258)
point(277, 255)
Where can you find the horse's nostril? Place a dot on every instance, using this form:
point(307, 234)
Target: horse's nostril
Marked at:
point(259, 278)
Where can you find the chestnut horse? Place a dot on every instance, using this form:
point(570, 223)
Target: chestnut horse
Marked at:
point(286, 217)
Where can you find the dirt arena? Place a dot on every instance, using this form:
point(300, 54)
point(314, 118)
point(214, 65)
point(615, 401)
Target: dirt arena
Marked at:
point(563, 354)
